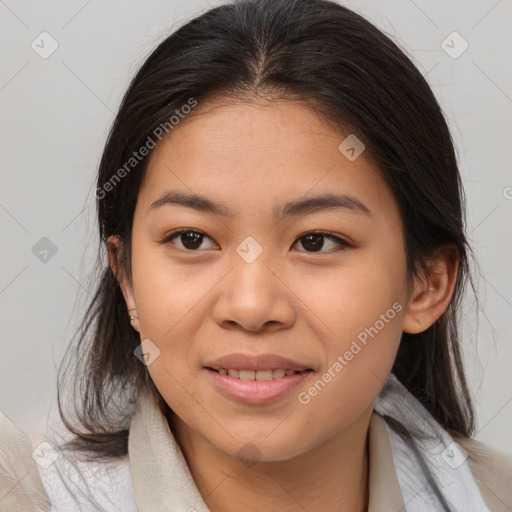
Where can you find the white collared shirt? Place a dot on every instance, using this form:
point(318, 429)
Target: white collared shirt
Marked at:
point(154, 476)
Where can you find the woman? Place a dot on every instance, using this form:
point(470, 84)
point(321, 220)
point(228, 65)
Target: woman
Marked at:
point(276, 326)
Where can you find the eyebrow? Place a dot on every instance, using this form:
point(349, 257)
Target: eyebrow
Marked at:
point(316, 204)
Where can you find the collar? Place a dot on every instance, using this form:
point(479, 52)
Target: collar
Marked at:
point(162, 480)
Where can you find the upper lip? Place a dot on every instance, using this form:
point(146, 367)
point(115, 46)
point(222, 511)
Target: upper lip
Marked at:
point(259, 362)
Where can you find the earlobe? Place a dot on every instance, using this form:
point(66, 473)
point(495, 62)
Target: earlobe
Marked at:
point(432, 293)
point(113, 249)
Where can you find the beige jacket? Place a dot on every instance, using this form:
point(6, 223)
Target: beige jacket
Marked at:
point(156, 472)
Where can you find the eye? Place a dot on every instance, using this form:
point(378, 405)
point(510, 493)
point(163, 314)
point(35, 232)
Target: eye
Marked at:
point(316, 241)
point(189, 239)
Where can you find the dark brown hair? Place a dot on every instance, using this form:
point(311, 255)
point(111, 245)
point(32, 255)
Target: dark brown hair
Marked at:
point(326, 55)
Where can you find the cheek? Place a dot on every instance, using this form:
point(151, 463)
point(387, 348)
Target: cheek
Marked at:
point(358, 364)
point(166, 291)
point(340, 303)
point(173, 305)
point(358, 312)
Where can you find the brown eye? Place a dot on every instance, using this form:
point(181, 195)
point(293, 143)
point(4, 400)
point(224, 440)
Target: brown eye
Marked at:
point(190, 240)
point(315, 242)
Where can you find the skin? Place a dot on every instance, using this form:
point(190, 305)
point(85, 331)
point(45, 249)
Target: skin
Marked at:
point(200, 303)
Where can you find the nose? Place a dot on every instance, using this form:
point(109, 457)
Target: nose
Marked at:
point(254, 297)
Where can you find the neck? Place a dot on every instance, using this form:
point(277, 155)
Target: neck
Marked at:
point(332, 476)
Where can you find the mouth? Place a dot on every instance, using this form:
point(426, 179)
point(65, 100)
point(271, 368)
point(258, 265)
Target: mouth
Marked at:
point(259, 375)
point(256, 387)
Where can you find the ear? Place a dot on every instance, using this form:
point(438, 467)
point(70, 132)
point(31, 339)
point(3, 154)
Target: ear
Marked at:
point(114, 248)
point(432, 292)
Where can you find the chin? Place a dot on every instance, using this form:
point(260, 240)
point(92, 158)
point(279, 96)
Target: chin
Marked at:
point(257, 449)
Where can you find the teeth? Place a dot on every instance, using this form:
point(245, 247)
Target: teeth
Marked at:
point(247, 374)
point(264, 375)
point(257, 375)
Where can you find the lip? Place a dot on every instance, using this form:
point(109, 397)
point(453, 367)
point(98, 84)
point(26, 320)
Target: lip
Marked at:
point(240, 361)
point(256, 391)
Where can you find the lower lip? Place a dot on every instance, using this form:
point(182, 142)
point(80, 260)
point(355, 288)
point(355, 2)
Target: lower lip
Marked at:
point(256, 391)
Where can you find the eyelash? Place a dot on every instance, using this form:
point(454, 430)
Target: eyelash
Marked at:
point(343, 243)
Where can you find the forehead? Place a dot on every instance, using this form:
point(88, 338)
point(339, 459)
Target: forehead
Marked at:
point(259, 151)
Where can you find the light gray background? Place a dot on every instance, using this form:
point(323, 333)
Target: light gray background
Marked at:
point(55, 114)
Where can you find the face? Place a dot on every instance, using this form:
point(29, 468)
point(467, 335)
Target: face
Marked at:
point(238, 273)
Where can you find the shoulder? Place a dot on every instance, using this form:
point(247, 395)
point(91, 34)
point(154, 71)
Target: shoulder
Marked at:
point(74, 483)
point(46, 478)
point(492, 470)
point(20, 485)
